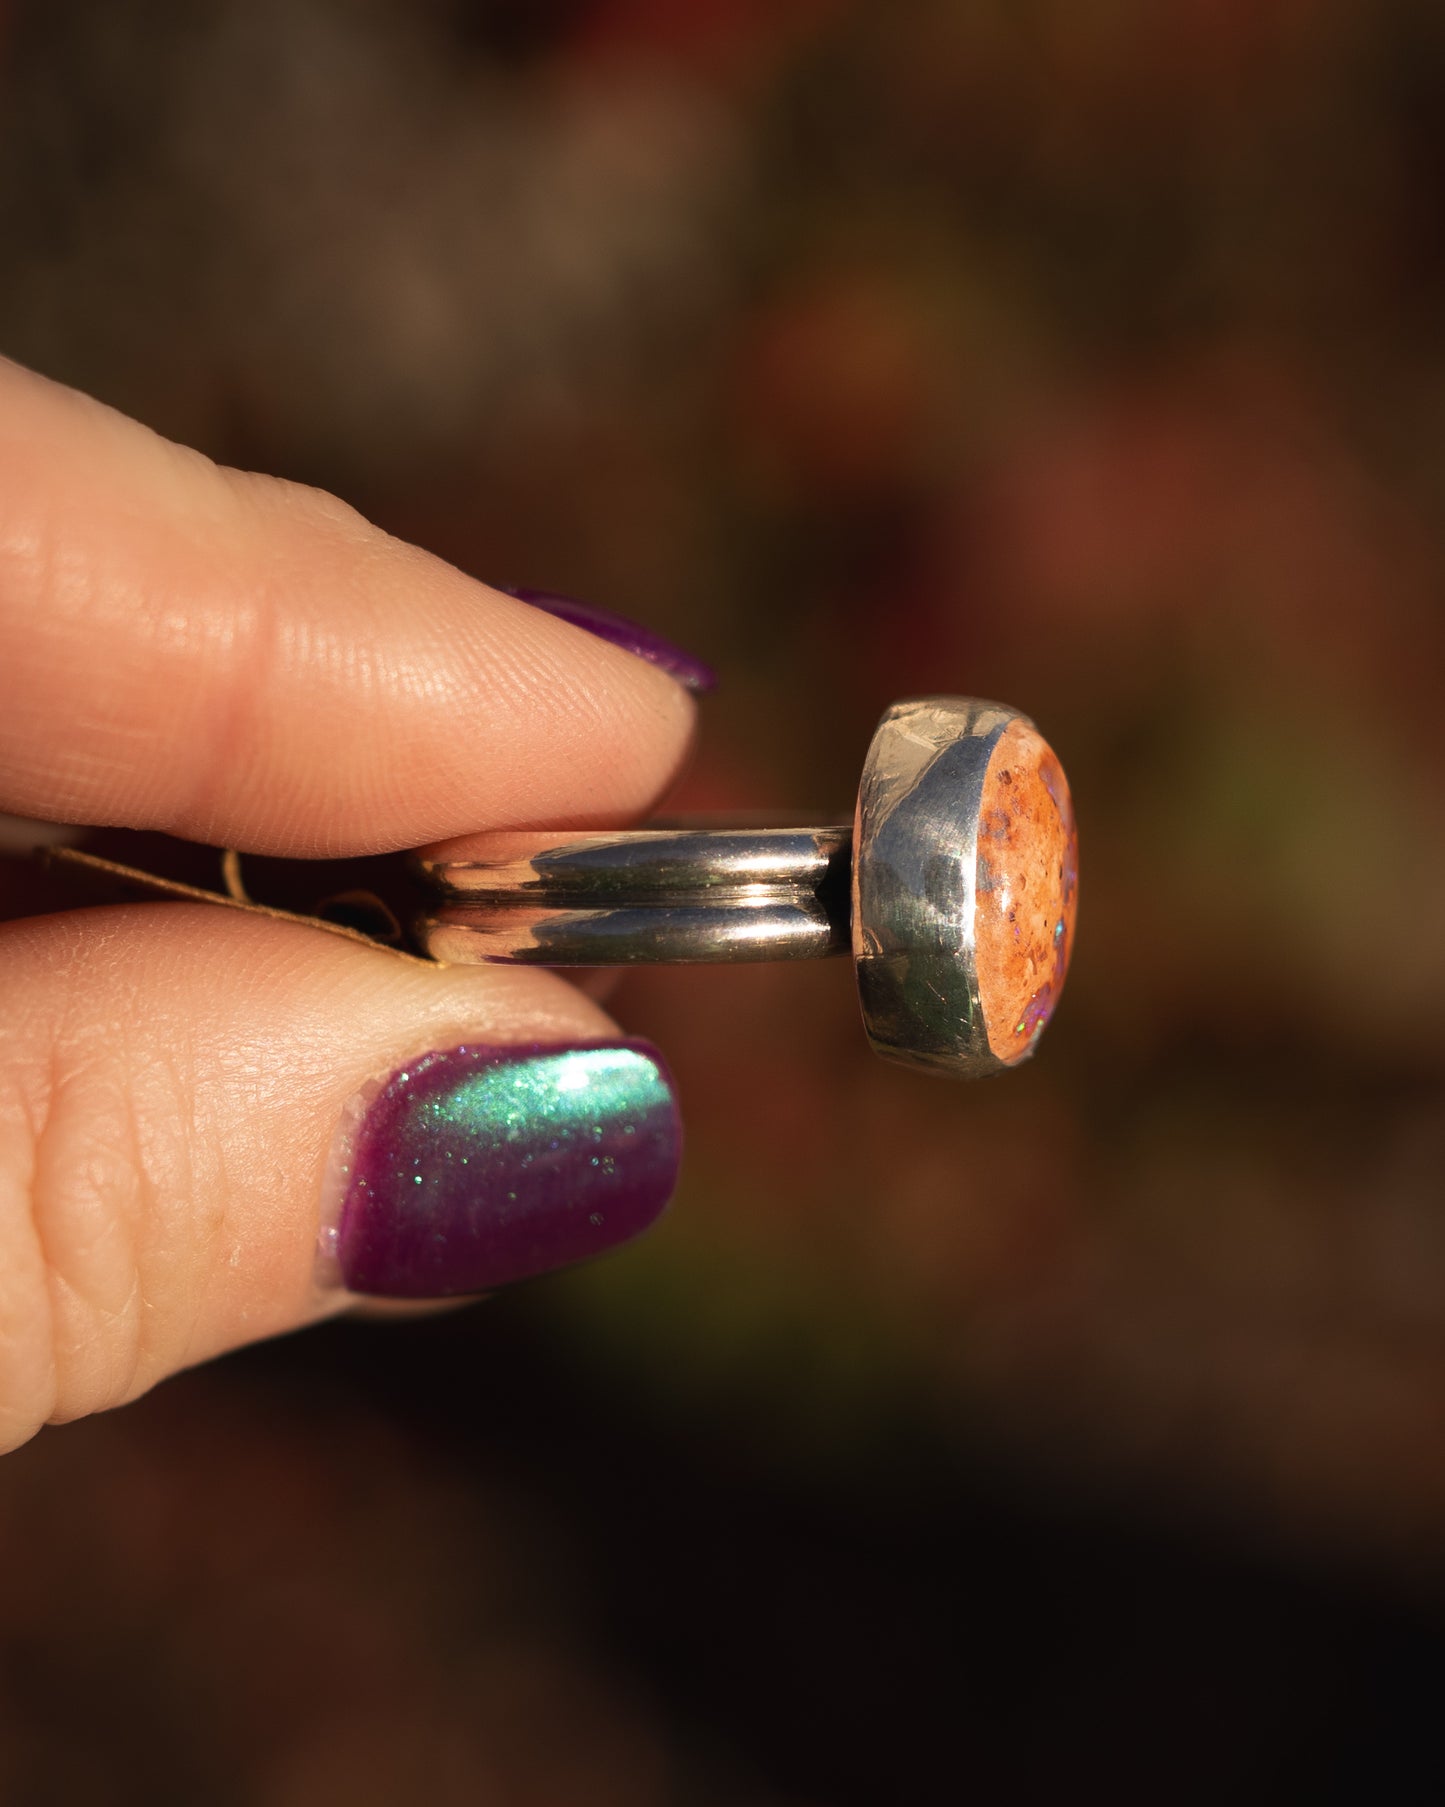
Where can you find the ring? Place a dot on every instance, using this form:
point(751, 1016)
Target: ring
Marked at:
point(955, 888)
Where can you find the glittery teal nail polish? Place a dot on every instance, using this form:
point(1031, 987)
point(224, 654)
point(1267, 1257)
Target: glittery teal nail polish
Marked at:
point(475, 1166)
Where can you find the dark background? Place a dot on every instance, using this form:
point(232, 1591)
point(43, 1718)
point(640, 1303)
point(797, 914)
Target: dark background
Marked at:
point(1079, 1433)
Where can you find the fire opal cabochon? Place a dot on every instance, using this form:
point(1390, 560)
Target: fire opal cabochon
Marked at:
point(1027, 890)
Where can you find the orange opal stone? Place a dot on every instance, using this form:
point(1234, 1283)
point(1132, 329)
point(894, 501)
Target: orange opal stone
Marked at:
point(1027, 890)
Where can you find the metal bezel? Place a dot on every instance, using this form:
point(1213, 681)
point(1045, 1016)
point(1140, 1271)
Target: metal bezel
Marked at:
point(915, 875)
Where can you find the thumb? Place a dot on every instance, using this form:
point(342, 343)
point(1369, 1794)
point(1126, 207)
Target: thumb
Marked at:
point(225, 1094)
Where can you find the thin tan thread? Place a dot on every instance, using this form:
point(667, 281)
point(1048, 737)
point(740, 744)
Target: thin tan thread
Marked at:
point(234, 899)
point(231, 876)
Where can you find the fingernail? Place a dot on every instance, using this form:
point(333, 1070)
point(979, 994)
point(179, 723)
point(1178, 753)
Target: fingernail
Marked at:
point(475, 1166)
point(616, 629)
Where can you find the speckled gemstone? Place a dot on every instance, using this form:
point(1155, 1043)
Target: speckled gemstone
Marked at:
point(1027, 890)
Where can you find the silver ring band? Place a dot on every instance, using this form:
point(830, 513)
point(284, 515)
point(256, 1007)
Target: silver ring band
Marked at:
point(678, 896)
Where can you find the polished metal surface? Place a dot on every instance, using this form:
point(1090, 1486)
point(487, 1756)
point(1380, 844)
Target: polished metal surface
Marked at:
point(643, 863)
point(914, 874)
point(899, 887)
point(659, 896)
point(532, 933)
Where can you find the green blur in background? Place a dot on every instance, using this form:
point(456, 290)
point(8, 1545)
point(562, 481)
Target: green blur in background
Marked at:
point(1087, 354)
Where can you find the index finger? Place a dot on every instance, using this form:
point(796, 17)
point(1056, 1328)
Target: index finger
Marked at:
point(248, 662)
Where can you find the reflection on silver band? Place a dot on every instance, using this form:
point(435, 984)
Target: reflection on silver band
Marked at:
point(641, 863)
point(649, 895)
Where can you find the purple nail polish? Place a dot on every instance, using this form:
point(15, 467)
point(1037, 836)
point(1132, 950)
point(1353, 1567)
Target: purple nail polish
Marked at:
point(475, 1166)
point(618, 631)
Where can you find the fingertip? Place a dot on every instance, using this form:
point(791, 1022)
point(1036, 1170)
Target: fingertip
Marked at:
point(243, 660)
point(169, 1127)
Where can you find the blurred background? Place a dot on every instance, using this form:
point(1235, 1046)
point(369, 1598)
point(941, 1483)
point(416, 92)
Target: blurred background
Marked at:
point(1080, 1429)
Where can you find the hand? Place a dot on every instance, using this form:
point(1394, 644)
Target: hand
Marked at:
point(189, 1095)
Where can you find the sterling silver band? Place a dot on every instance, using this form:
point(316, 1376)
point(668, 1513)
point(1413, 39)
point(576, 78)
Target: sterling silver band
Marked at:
point(672, 896)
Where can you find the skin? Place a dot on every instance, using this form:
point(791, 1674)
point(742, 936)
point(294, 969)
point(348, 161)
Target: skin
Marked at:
point(247, 663)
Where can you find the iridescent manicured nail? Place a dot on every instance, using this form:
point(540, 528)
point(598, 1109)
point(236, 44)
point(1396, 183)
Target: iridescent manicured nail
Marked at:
point(475, 1166)
point(619, 631)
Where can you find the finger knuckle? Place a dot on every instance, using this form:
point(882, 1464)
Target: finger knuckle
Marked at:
point(83, 1324)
